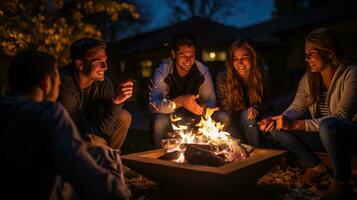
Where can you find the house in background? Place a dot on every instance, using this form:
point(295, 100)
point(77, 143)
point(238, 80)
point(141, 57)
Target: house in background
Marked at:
point(280, 41)
point(137, 57)
point(291, 30)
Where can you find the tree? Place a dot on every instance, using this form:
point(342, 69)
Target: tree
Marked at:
point(209, 9)
point(51, 25)
point(128, 25)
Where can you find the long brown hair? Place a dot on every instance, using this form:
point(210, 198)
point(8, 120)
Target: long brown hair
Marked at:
point(235, 98)
point(330, 49)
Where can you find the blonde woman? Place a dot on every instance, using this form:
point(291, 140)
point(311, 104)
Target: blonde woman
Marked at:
point(242, 90)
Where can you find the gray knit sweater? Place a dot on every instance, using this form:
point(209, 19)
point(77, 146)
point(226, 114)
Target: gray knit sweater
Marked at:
point(341, 99)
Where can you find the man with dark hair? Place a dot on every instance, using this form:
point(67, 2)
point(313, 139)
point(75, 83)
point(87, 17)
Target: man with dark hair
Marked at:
point(89, 96)
point(41, 145)
point(182, 86)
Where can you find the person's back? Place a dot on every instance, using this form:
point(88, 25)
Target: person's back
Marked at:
point(25, 151)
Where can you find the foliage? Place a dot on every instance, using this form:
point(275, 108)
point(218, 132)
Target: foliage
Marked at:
point(128, 25)
point(51, 25)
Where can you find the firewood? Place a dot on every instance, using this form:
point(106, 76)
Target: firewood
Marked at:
point(200, 156)
point(170, 156)
point(200, 146)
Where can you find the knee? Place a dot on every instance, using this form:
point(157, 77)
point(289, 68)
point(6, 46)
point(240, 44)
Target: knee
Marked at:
point(105, 156)
point(222, 117)
point(243, 114)
point(328, 125)
point(279, 136)
point(124, 117)
point(97, 152)
point(243, 118)
point(328, 128)
point(161, 121)
point(274, 134)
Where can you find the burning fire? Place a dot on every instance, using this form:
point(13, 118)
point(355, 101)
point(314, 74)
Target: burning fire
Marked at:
point(209, 134)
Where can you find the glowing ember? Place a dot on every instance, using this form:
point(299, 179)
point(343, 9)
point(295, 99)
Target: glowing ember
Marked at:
point(209, 134)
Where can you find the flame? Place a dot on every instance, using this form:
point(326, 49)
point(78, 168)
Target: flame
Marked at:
point(209, 133)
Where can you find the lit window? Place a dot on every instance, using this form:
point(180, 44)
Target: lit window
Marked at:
point(221, 56)
point(211, 56)
point(146, 68)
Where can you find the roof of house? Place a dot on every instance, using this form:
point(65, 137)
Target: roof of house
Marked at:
point(317, 16)
point(207, 33)
point(210, 33)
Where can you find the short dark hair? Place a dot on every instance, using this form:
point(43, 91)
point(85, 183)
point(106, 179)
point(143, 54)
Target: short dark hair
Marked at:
point(181, 39)
point(28, 68)
point(80, 48)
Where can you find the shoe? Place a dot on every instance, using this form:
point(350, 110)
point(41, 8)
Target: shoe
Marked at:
point(311, 175)
point(338, 190)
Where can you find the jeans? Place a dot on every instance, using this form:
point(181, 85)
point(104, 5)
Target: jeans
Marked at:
point(301, 143)
point(249, 128)
point(161, 124)
point(336, 136)
point(339, 138)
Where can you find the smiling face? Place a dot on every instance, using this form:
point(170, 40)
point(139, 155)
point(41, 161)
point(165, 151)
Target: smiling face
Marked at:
point(184, 58)
point(95, 64)
point(315, 58)
point(241, 61)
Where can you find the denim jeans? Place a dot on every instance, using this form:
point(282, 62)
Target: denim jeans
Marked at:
point(339, 138)
point(301, 143)
point(249, 128)
point(161, 124)
point(335, 135)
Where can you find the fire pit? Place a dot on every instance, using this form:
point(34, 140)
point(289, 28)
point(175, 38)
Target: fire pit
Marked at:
point(226, 168)
point(232, 178)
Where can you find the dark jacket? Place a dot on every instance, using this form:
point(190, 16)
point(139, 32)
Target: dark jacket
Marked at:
point(91, 110)
point(39, 142)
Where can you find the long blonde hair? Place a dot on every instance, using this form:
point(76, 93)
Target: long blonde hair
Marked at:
point(330, 49)
point(235, 95)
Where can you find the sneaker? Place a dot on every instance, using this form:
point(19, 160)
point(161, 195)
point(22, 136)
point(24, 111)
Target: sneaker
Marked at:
point(338, 190)
point(311, 175)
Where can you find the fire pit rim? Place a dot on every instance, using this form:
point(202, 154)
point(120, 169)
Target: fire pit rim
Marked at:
point(222, 170)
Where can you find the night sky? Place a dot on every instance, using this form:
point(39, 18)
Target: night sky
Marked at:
point(249, 12)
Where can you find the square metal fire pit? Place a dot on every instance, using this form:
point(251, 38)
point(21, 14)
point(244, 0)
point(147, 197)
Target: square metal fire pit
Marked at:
point(236, 176)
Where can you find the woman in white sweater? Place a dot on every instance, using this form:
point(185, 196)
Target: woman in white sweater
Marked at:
point(329, 91)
